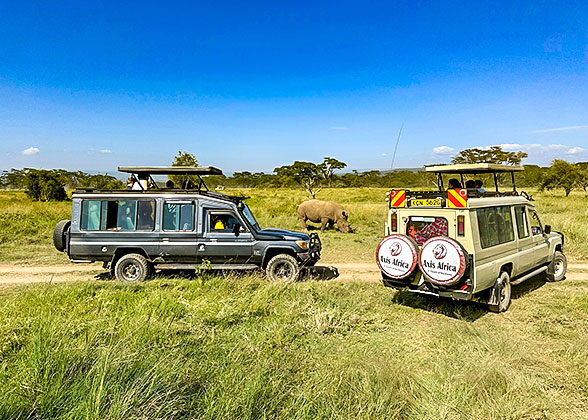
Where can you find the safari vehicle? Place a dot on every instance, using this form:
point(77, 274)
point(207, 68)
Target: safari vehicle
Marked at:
point(134, 231)
point(467, 243)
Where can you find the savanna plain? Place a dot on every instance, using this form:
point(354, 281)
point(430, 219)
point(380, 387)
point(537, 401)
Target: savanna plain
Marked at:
point(75, 344)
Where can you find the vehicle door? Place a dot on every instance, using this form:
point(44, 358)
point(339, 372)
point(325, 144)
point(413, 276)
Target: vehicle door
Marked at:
point(179, 236)
point(540, 245)
point(526, 245)
point(225, 239)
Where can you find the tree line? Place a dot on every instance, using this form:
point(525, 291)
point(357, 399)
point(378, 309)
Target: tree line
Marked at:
point(46, 185)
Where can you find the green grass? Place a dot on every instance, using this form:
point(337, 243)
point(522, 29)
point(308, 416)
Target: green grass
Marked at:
point(26, 226)
point(244, 348)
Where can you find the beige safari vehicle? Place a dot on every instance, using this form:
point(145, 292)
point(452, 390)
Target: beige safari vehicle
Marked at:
point(467, 243)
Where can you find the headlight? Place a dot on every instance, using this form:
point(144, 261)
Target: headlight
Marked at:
point(302, 244)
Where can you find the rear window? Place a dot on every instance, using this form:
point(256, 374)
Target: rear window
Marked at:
point(129, 215)
point(422, 229)
point(495, 226)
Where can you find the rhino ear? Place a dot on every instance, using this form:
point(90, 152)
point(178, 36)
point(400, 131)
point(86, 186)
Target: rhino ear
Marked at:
point(344, 214)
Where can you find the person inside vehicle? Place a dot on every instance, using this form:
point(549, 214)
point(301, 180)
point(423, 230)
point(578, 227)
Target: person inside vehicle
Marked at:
point(218, 223)
point(454, 184)
point(430, 230)
point(142, 184)
point(470, 184)
point(478, 183)
point(145, 216)
point(169, 184)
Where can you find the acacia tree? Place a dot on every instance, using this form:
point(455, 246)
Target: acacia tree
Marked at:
point(309, 175)
point(329, 166)
point(563, 175)
point(183, 159)
point(43, 185)
point(493, 154)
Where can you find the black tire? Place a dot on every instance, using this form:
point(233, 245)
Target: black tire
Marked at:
point(59, 232)
point(132, 268)
point(504, 293)
point(284, 268)
point(560, 263)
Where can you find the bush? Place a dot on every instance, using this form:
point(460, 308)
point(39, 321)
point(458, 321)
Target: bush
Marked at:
point(44, 185)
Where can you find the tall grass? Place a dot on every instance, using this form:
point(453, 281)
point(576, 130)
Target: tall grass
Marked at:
point(247, 349)
point(26, 226)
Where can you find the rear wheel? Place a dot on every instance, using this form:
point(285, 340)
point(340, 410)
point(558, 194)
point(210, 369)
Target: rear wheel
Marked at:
point(560, 266)
point(283, 267)
point(132, 268)
point(504, 293)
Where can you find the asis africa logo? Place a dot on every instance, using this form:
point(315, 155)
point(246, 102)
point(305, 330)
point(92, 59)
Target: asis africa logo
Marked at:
point(395, 249)
point(440, 251)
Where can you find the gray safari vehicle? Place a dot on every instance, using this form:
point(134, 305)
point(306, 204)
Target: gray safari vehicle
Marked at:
point(133, 231)
point(467, 243)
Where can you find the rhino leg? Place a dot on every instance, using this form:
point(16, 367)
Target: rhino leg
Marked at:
point(324, 222)
point(303, 224)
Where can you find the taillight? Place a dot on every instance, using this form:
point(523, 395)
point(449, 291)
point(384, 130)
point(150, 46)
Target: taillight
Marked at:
point(394, 222)
point(460, 225)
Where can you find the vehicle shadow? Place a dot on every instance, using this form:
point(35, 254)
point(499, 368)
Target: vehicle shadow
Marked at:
point(463, 310)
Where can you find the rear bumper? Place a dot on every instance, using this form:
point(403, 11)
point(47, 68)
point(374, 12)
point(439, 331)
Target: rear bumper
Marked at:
point(428, 289)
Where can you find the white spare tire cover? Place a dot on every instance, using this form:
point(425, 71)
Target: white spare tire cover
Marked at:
point(442, 260)
point(397, 256)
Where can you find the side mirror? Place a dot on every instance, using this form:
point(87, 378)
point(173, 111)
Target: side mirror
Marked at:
point(547, 229)
point(236, 229)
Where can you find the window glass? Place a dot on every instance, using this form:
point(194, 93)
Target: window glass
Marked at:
point(91, 215)
point(223, 222)
point(495, 226)
point(118, 215)
point(423, 228)
point(536, 227)
point(178, 216)
point(522, 223)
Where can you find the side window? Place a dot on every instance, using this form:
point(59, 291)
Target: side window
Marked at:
point(495, 226)
point(91, 217)
point(522, 222)
point(536, 227)
point(118, 215)
point(221, 222)
point(178, 216)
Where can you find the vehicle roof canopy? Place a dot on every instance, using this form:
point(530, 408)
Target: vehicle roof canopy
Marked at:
point(171, 170)
point(473, 168)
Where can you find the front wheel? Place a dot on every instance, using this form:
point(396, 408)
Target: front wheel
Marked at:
point(503, 292)
point(560, 266)
point(283, 267)
point(132, 268)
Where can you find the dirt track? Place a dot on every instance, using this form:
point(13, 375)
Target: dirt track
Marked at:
point(17, 274)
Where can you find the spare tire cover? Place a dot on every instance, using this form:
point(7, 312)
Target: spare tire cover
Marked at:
point(397, 256)
point(442, 260)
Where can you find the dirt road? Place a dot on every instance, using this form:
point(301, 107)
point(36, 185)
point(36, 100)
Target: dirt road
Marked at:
point(16, 274)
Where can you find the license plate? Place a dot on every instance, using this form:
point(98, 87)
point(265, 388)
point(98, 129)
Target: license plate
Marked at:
point(430, 202)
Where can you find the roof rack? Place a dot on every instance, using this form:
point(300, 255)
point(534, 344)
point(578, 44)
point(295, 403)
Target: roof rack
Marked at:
point(146, 171)
point(475, 168)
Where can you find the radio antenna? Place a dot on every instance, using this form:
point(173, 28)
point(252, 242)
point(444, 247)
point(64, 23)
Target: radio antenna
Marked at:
point(396, 147)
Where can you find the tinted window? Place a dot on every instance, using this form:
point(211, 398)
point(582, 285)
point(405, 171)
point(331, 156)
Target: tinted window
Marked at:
point(178, 216)
point(495, 226)
point(522, 223)
point(118, 215)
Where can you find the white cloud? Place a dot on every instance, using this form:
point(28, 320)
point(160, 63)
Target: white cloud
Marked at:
point(340, 128)
point(443, 150)
point(554, 130)
point(384, 154)
point(105, 151)
point(30, 151)
point(509, 146)
point(575, 150)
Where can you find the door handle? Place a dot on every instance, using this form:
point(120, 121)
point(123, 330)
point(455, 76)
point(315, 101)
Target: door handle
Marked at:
point(201, 247)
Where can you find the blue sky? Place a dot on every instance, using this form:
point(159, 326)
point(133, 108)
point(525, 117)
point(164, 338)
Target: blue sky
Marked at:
point(255, 85)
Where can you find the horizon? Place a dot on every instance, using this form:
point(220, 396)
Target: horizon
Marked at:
point(256, 86)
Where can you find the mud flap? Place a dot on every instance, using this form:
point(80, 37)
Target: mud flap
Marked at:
point(494, 297)
point(319, 272)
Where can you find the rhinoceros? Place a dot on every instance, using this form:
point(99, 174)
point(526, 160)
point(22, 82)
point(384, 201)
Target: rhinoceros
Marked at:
point(325, 213)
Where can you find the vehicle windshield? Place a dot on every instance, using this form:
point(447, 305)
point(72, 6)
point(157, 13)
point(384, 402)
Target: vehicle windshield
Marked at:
point(250, 218)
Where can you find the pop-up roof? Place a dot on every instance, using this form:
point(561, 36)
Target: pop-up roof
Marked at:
point(473, 168)
point(171, 170)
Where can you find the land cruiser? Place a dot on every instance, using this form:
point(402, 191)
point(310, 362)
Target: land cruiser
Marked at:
point(134, 231)
point(467, 243)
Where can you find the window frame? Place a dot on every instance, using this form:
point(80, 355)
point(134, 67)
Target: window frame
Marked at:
point(525, 219)
point(103, 214)
point(480, 225)
point(235, 215)
point(180, 203)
